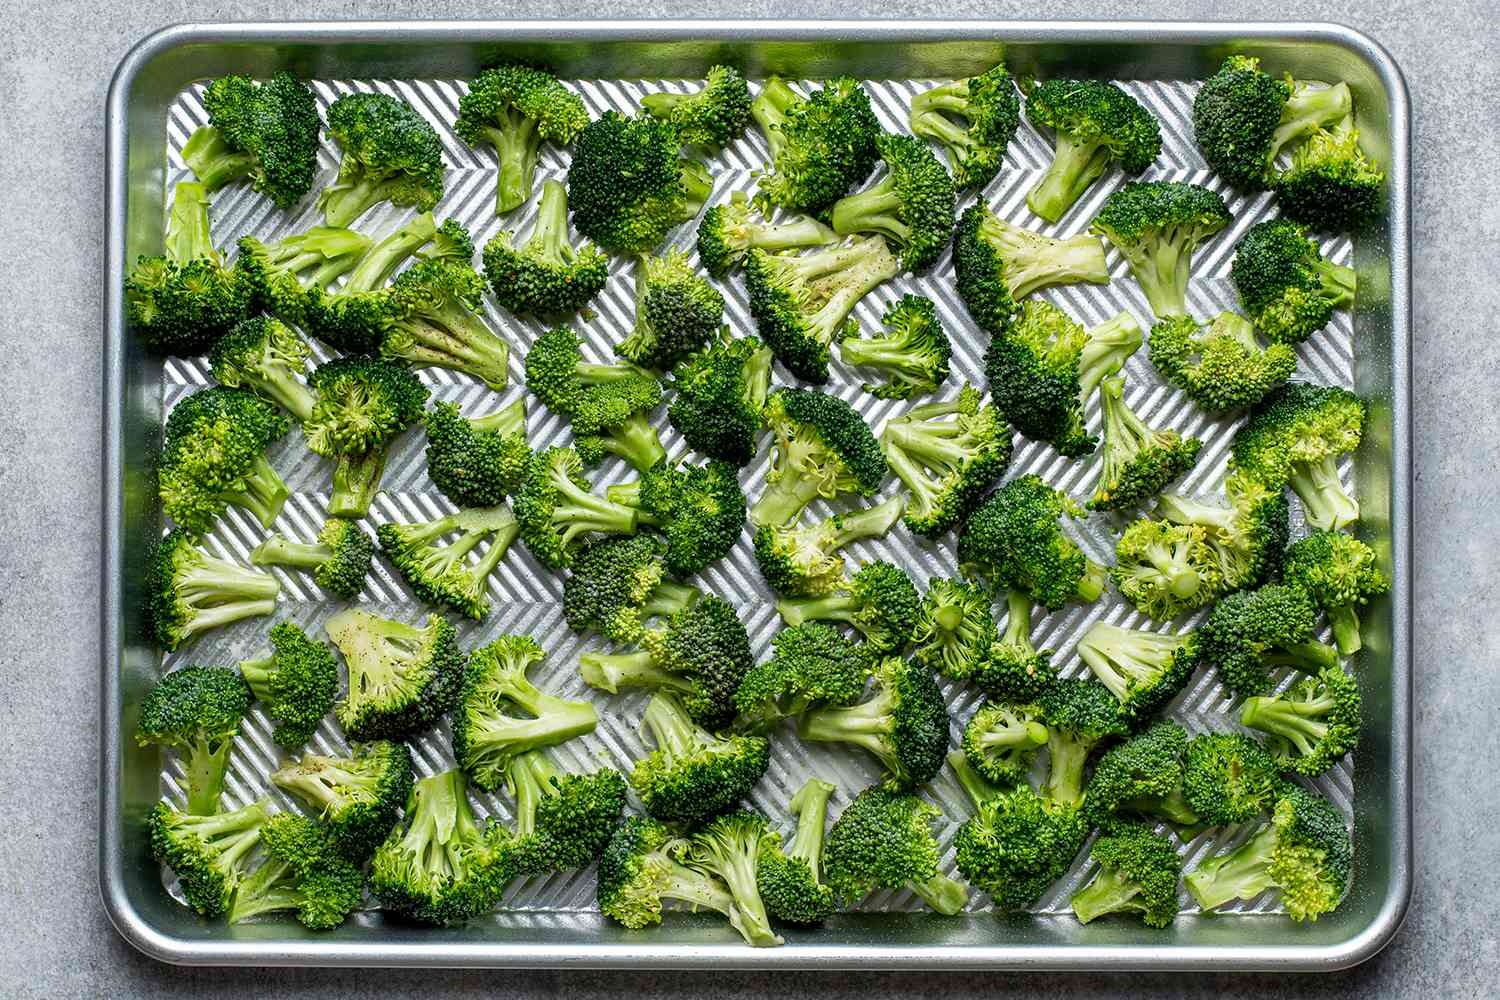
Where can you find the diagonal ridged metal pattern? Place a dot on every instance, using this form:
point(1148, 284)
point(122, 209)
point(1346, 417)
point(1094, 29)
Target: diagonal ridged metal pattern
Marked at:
point(527, 595)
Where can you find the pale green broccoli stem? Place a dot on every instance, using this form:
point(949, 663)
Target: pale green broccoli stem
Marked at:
point(1110, 892)
point(1309, 657)
point(1324, 503)
point(697, 186)
point(356, 480)
point(1298, 722)
point(323, 782)
point(1104, 352)
point(611, 672)
point(866, 725)
point(433, 843)
point(326, 252)
point(769, 111)
point(1307, 110)
point(264, 891)
point(803, 231)
point(187, 236)
point(1018, 620)
point(785, 498)
point(670, 728)
point(840, 607)
point(553, 720)
point(230, 592)
point(278, 550)
point(1344, 621)
point(971, 781)
point(584, 512)
point(1338, 283)
point(1244, 873)
point(876, 209)
point(527, 779)
point(1091, 584)
point(1182, 580)
point(928, 119)
point(1077, 163)
point(945, 895)
point(381, 262)
point(1123, 659)
point(1069, 753)
point(1172, 807)
point(1018, 734)
point(263, 494)
point(549, 236)
point(1033, 261)
point(860, 268)
point(518, 144)
point(343, 201)
point(213, 161)
point(452, 337)
point(810, 806)
point(234, 834)
point(1162, 265)
point(635, 440)
point(1180, 510)
point(505, 422)
point(204, 765)
point(257, 674)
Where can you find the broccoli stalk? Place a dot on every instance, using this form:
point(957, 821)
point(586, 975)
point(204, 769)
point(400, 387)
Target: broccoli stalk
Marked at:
point(555, 508)
point(1312, 724)
point(206, 851)
point(823, 448)
point(339, 559)
point(265, 355)
point(213, 161)
point(789, 880)
point(197, 711)
point(1095, 124)
point(804, 561)
point(911, 206)
point(914, 351)
point(192, 592)
point(1139, 460)
point(1138, 873)
point(513, 108)
point(730, 230)
point(439, 574)
point(729, 848)
point(903, 722)
point(1243, 873)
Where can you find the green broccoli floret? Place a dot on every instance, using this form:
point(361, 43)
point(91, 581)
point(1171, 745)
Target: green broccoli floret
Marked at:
point(340, 558)
point(563, 820)
point(701, 655)
point(1014, 670)
point(1339, 573)
point(822, 449)
point(954, 628)
point(911, 206)
point(1165, 569)
point(1143, 670)
point(213, 455)
point(196, 711)
point(1248, 537)
point(1143, 776)
point(880, 601)
point(789, 880)
point(500, 713)
point(1138, 873)
point(1139, 460)
point(1156, 226)
point(1331, 185)
point(802, 304)
point(1251, 631)
point(1221, 365)
point(997, 264)
point(264, 356)
point(363, 406)
point(1044, 369)
point(676, 312)
point(1228, 778)
point(821, 145)
point(729, 849)
point(629, 183)
point(973, 119)
point(439, 573)
point(914, 351)
point(700, 510)
point(437, 323)
point(514, 108)
point(618, 583)
point(1286, 287)
point(1000, 741)
point(1312, 724)
point(358, 798)
point(441, 865)
point(719, 395)
point(810, 664)
point(546, 275)
point(556, 511)
point(191, 591)
point(290, 279)
point(206, 852)
point(1014, 539)
point(303, 871)
point(1304, 853)
point(477, 462)
point(388, 153)
point(266, 133)
point(711, 117)
point(1096, 124)
point(401, 677)
point(1081, 715)
point(805, 560)
point(732, 229)
point(947, 455)
point(903, 722)
point(693, 774)
point(1294, 438)
point(296, 682)
point(884, 840)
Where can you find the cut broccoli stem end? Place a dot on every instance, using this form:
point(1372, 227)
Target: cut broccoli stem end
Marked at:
point(1279, 717)
point(204, 765)
point(945, 895)
point(1076, 164)
point(258, 673)
point(1309, 657)
point(278, 550)
point(833, 607)
point(1338, 283)
point(1306, 111)
point(265, 890)
point(611, 672)
point(1110, 892)
point(1068, 756)
point(1345, 622)
point(1091, 583)
point(264, 493)
point(876, 210)
point(377, 266)
point(669, 598)
point(356, 480)
point(343, 203)
point(784, 499)
point(810, 806)
point(1243, 873)
point(213, 161)
point(635, 441)
point(1325, 503)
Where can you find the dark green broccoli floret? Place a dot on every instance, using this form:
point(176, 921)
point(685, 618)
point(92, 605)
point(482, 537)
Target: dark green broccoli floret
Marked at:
point(263, 355)
point(297, 682)
point(1144, 776)
point(676, 312)
point(1080, 715)
point(711, 117)
point(884, 840)
point(290, 279)
point(699, 509)
point(213, 454)
point(1248, 537)
point(1331, 184)
point(914, 351)
point(954, 627)
point(514, 108)
point(880, 601)
point(973, 119)
point(947, 455)
point(206, 852)
point(340, 558)
point(1228, 778)
point(821, 145)
point(388, 153)
point(1096, 124)
point(1312, 724)
point(1339, 573)
point(477, 462)
point(1285, 286)
point(1138, 873)
point(718, 399)
point(693, 774)
point(618, 583)
point(1014, 670)
point(1156, 226)
point(546, 275)
point(732, 229)
point(802, 304)
point(789, 880)
point(266, 133)
point(810, 664)
point(437, 323)
point(822, 449)
point(440, 573)
point(903, 722)
point(303, 871)
point(805, 560)
point(629, 185)
point(1000, 741)
point(1251, 631)
point(911, 206)
point(401, 677)
point(359, 797)
point(1166, 569)
point(556, 510)
point(363, 405)
point(562, 820)
point(1143, 670)
point(1220, 364)
point(196, 711)
point(997, 264)
point(1294, 438)
point(1014, 539)
point(191, 591)
point(500, 713)
point(1139, 460)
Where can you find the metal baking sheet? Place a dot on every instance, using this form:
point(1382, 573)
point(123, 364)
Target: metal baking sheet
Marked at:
point(155, 105)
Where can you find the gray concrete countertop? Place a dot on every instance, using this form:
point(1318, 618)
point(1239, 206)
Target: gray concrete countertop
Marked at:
point(55, 64)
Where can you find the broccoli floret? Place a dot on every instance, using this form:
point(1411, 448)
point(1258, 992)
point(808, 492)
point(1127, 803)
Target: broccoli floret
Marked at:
point(439, 573)
point(213, 455)
point(821, 145)
point(1000, 741)
point(618, 583)
point(1248, 537)
point(206, 852)
point(514, 108)
point(718, 399)
point(1139, 460)
point(363, 405)
point(1294, 438)
point(1304, 853)
point(401, 677)
point(1286, 287)
point(296, 682)
point(303, 871)
point(1096, 124)
point(802, 304)
point(388, 153)
point(884, 840)
point(997, 264)
point(1165, 569)
point(629, 184)
point(1221, 365)
point(810, 664)
point(191, 591)
point(500, 713)
point(1143, 670)
point(789, 880)
point(693, 774)
point(954, 628)
point(732, 229)
point(266, 133)
point(822, 449)
point(729, 849)
point(1251, 631)
point(1045, 367)
point(436, 323)
point(546, 275)
point(880, 601)
point(1339, 573)
point(676, 312)
point(562, 820)
point(1331, 185)
point(477, 462)
point(290, 279)
point(1014, 539)
point(947, 455)
point(441, 865)
point(914, 352)
point(359, 797)
point(805, 560)
point(911, 206)
point(701, 655)
point(711, 117)
point(1312, 724)
point(1014, 670)
point(1156, 226)
point(903, 722)
point(1144, 776)
point(1081, 715)
point(556, 510)
point(973, 119)
point(263, 355)
point(1138, 873)
point(1228, 778)
point(340, 558)
point(699, 509)
point(196, 711)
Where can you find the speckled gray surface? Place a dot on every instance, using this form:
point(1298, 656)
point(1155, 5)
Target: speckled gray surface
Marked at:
point(54, 69)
